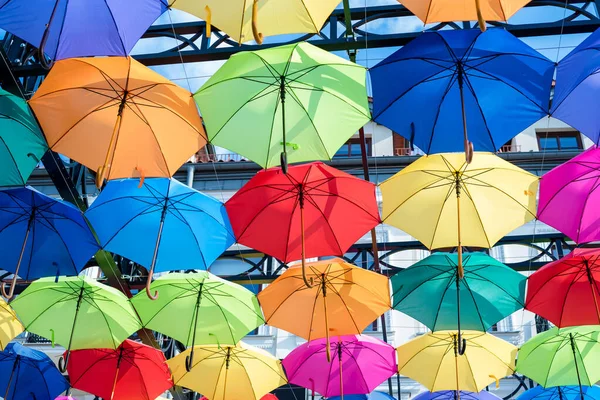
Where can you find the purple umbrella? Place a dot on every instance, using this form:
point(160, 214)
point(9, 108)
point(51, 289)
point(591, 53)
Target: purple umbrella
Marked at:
point(454, 395)
point(569, 199)
point(358, 365)
point(576, 100)
point(80, 28)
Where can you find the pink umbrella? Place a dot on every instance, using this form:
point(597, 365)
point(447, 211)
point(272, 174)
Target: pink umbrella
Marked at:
point(569, 199)
point(358, 365)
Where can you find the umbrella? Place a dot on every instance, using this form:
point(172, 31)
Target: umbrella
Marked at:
point(567, 291)
point(376, 395)
point(486, 359)
point(10, 326)
point(22, 144)
point(360, 364)
point(488, 292)
point(575, 99)
point(162, 225)
point(41, 236)
point(449, 82)
point(567, 356)
point(302, 102)
point(468, 10)
point(452, 395)
point(244, 20)
point(561, 393)
point(77, 313)
point(78, 29)
point(130, 372)
point(117, 117)
point(314, 210)
point(209, 310)
point(228, 372)
point(343, 300)
point(568, 197)
point(27, 373)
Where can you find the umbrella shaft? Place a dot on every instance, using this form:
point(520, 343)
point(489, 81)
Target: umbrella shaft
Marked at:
point(576, 365)
point(282, 97)
point(594, 289)
point(11, 377)
point(461, 271)
point(341, 376)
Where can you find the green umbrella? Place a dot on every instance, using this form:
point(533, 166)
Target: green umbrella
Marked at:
point(560, 357)
point(22, 144)
point(209, 310)
point(297, 94)
point(431, 292)
point(77, 313)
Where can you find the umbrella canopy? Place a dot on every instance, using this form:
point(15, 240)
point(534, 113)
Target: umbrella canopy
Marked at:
point(10, 326)
point(77, 313)
point(66, 29)
point(314, 208)
point(567, 291)
point(41, 236)
point(228, 372)
point(241, 18)
point(452, 395)
point(360, 364)
point(486, 359)
point(303, 103)
point(209, 310)
point(561, 393)
point(449, 82)
point(567, 356)
point(568, 197)
point(162, 225)
point(376, 395)
point(576, 82)
point(27, 374)
point(118, 117)
point(133, 371)
point(488, 292)
point(343, 300)
point(22, 144)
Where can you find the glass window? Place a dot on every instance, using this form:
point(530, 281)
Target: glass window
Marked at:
point(561, 140)
point(568, 142)
point(352, 148)
point(548, 144)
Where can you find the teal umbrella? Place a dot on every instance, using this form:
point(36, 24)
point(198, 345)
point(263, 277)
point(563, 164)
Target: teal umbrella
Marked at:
point(22, 144)
point(431, 292)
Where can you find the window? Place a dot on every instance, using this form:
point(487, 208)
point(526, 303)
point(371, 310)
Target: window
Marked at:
point(352, 148)
point(560, 140)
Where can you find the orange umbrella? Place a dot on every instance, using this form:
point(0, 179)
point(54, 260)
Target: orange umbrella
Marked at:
point(343, 299)
point(118, 117)
point(430, 11)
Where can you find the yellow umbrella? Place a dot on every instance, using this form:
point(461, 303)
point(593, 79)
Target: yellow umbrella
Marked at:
point(464, 10)
point(244, 20)
point(433, 361)
point(10, 326)
point(228, 372)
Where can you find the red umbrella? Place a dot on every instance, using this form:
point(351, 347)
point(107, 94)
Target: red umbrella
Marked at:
point(314, 210)
point(567, 292)
point(130, 372)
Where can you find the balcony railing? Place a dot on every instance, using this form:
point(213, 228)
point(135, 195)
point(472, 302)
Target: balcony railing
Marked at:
point(402, 151)
point(225, 157)
point(510, 148)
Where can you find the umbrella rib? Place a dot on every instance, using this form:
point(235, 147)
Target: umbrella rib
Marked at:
point(473, 272)
point(219, 375)
point(349, 353)
point(317, 295)
point(485, 123)
point(244, 77)
point(466, 189)
point(358, 330)
point(145, 212)
point(503, 192)
point(437, 315)
point(277, 102)
point(206, 265)
point(53, 228)
point(315, 205)
point(594, 187)
point(575, 279)
point(451, 82)
point(479, 314)
point(451, 188)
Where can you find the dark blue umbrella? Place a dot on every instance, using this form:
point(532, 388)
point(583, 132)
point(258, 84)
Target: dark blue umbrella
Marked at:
point(444, 83)
point(27, 374)
point(162, 225)
point(456, 395)
point(576, 99)
point(79, 28)
point(562, 393)
point(41, 236)
point(376, 395)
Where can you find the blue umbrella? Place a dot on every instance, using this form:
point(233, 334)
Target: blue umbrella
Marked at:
point(376, 395)
point(456, 395)
point(562, 393)
point(66, 29)
point(41, 236)
point(444, 83)
point(576, 93)
point(162, 225)
point(27, 374)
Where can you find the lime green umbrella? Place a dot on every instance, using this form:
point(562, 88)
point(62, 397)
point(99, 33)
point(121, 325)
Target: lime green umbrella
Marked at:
point(560, 357)
point(77, 313)
point(22, 144)
point(209, 310)
point(298, 95)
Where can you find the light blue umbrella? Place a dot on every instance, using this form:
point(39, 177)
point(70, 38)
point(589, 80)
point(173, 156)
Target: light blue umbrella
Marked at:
point(562, 393)
point(162, 225)
point(456, 395)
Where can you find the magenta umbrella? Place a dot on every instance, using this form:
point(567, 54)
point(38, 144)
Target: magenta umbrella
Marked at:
point(358, 365)
point(569, 199)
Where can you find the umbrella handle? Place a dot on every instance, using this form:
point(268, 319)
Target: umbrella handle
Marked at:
point(11, 292)
point(208, 20)
point(189, 361)
point(148, 291)
point(142, 177)
point(480, 19)
point(258, 37)
point(469, 149)
point(100, 177)
point(283, 162)
point(63, 362)
point(462, 346)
